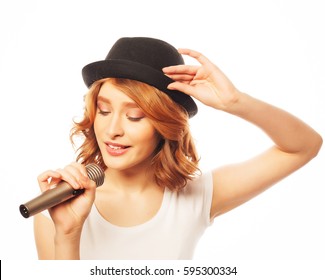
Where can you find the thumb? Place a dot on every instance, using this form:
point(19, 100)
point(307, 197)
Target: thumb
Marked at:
point(185, 88)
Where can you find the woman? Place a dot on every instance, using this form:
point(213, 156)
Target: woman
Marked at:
point(154, 203)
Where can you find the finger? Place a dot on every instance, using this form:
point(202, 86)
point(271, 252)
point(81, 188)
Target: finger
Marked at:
point(196, 55)
point(86, 181)
point(79, 172)
point(81, 168)
point(184, 69)
point(181, 77)
point(75, 175)
point(48, 179)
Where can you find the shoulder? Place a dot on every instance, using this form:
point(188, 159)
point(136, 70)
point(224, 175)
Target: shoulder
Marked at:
point(202, 184)
point(197, 194)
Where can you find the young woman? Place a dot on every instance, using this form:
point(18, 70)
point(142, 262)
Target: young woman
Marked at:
point(155, 203)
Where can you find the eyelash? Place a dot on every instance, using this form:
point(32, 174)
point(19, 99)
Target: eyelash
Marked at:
point(103, 113)
point(133, 119)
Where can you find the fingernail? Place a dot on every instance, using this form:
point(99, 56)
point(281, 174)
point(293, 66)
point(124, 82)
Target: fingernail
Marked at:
point(76, 185)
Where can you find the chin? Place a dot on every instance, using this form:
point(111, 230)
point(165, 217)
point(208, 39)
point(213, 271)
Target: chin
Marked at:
point(118, 165)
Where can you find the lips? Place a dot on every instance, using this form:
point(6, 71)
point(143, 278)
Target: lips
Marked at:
point(116, 149)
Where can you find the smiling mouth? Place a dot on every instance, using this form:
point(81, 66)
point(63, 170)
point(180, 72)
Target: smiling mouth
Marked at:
point(114, 147)
point(119, 147)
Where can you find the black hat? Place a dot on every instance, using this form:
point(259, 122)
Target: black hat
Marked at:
point(140, 59)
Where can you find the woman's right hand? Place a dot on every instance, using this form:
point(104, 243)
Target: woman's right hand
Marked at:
point(69, 216)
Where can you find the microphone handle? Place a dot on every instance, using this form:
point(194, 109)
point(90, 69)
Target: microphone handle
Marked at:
point(62, 192)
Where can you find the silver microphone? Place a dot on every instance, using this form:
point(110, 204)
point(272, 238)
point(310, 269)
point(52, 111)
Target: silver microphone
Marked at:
point(62, 192)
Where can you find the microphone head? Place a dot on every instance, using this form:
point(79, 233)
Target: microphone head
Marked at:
point(95, 173)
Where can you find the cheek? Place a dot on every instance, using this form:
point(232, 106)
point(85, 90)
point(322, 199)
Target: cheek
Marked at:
point(100, 125)
point(154, 143)
point(96, 127)
point(99, 131)
point(146, 136)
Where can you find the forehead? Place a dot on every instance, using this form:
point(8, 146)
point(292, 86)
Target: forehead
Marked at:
point(110, 94)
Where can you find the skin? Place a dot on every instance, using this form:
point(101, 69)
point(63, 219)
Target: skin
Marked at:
point(295, 143)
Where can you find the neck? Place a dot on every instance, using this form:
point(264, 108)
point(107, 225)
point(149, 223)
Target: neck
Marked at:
point(129, 181)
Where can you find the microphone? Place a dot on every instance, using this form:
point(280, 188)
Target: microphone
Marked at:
point(62, 192)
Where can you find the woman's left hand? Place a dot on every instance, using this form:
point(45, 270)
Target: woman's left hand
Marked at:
point(205, 83)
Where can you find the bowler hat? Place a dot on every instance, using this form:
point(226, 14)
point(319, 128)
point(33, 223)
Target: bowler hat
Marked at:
point(140, 59)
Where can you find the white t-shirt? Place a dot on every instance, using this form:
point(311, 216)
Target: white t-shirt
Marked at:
point(171, 234)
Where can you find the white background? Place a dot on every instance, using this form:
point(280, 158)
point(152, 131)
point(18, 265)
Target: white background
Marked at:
point(273, 50)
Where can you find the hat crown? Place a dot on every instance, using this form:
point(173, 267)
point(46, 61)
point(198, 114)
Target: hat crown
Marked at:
point(148, 51)
point(141, 59)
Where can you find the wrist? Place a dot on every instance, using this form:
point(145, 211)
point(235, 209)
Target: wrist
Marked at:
point(236, 103)
point(67, 245)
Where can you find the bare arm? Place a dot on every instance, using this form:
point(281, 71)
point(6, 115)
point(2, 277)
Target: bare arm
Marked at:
point(295, 143)
point(44, 232)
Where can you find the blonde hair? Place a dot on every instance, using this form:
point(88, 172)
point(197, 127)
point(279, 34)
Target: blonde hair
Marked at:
point(175, 161)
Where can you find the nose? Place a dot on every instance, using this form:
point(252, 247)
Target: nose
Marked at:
point(115, 126)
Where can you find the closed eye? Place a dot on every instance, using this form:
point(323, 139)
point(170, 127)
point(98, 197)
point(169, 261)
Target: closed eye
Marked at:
point(134, 119)
point(103, 113)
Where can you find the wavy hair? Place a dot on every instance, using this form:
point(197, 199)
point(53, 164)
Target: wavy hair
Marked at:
point(175, 160)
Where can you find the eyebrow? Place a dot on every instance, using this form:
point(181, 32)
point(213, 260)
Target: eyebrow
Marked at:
point(129, 104)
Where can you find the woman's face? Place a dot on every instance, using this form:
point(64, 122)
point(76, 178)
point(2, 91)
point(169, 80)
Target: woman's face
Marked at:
point(126, 138)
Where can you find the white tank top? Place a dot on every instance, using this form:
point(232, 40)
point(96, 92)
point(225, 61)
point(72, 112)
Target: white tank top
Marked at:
point(171, 234)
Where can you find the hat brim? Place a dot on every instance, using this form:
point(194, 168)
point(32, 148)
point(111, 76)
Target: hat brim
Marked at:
point(116, 68)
